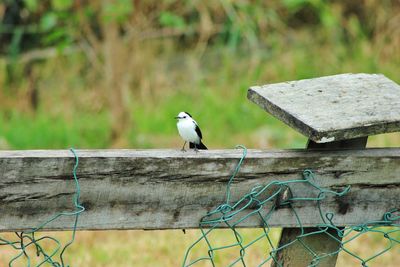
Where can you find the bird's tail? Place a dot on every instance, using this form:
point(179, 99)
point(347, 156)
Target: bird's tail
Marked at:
point(199, 146)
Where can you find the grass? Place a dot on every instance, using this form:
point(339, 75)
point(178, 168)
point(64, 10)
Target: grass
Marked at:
point(144, 248)
point(167, 248)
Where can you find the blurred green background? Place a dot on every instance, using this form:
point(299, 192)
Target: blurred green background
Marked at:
point(102, 74)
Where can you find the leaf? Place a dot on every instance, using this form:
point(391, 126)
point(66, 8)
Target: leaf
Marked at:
point(169, 19)
point(32, 5)
point(48, 21)
point(328, 18)
point(55, 36)
point(118, 11)
point(295, 4)
point(62, 5)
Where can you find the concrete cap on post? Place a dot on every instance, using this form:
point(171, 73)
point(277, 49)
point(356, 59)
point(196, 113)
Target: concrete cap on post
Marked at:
point(333, 108)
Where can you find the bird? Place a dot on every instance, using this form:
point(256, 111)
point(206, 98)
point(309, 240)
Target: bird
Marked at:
point(189, 131)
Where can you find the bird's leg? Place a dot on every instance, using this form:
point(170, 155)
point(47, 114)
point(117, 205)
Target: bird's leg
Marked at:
point(195, 148)
point(183, 148)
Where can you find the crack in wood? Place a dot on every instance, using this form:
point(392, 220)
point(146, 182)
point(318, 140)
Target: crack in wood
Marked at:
point(169, 189)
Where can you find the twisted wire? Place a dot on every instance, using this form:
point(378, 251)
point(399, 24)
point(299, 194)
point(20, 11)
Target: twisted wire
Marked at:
point(27, 239)
point(263, 200)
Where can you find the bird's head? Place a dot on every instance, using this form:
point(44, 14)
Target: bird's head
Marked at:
point(183, 116)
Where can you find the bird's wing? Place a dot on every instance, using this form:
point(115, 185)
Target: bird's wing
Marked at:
point(197, 129)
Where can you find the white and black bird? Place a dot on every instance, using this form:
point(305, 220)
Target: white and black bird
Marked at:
point(189, 130)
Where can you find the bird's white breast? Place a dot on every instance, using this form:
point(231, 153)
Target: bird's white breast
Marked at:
point(186, 129)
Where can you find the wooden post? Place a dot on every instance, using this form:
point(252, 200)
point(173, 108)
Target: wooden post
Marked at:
point(334, 112)
point(296, 254)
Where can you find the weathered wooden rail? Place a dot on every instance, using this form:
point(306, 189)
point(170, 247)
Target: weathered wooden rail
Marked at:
point(165, 189)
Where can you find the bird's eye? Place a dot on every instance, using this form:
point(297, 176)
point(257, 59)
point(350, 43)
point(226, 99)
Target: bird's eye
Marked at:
point(184, 117)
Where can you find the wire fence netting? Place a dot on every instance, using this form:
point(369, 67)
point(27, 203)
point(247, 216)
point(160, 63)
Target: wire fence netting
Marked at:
point(48, 250)
point(262, 201)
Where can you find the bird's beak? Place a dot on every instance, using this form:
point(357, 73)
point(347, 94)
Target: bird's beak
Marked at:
point(177, 117)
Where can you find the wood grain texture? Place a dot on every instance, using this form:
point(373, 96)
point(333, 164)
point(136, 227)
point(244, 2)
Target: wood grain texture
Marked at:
point(163, 189)
point(321, 244)
point(334, 107)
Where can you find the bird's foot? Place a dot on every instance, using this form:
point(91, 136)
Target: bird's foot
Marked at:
point(183, 150)
point(196, 150)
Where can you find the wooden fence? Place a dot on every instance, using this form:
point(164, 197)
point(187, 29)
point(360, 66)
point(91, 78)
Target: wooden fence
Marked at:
point(169, 189)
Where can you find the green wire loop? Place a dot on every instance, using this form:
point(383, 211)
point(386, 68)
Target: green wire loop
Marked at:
point(27, 239)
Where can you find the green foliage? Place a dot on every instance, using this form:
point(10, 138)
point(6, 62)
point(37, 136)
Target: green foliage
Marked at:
point(62, 5)
point(55, 5)
point(32, 5)
point(255, 45)
point(51, 25)
point(23, 131)
point(118, 11)
point(48, 21)
point(14, 48)
point(169, 19)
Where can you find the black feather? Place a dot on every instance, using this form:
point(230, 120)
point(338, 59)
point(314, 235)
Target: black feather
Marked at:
point(188, 114)
point(199, 134)
point(199, 146)
point(198, 131)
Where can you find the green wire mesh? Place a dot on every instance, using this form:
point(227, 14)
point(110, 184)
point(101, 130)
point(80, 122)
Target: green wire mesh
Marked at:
point(263, 200)
point(27, 239)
